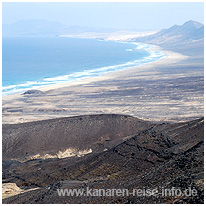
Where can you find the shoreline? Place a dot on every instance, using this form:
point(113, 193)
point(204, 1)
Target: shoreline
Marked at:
point(135, 91)
point(117, 74)
point(169, 58)
point(56, 80)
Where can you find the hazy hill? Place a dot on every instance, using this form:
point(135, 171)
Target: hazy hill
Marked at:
point(188, 32)
point(187, 39)
point(42, 27)
point(32, 27)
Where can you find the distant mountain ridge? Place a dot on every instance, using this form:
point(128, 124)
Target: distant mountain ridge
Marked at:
point(186, 39)
point(42, 27)
point(189, 31)
point(35, 27)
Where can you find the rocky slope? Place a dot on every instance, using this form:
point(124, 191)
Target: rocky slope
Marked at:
point(67, 136)
point(156, 156)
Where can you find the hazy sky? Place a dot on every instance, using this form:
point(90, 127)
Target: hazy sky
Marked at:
point(107, 15)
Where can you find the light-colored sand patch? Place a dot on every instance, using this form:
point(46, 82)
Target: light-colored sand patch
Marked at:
point(11, 189)
point(114, 36)
point(63, 154)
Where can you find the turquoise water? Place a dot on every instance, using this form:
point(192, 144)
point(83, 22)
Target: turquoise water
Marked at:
point(32, 62)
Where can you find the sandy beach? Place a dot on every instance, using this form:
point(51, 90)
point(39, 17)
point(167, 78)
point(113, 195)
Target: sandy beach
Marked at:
point(166, 90)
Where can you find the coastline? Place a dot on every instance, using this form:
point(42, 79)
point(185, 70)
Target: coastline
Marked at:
point(154, 54)
point(118, 92)
point(169, 58)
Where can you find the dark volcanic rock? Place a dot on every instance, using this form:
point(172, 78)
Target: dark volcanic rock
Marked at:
point(33, 91)
point(95, 132)
point(161, 156)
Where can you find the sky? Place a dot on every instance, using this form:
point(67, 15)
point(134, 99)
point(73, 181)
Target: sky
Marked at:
point(126, 15)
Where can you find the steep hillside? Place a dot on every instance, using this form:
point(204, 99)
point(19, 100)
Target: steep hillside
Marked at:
point(160, 156)
point(67, 136)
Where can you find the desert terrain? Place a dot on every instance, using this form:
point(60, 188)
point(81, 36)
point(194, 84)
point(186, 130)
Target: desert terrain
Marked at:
point(137, 128)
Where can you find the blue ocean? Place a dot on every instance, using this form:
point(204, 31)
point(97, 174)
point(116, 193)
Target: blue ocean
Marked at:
point(31, 62)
